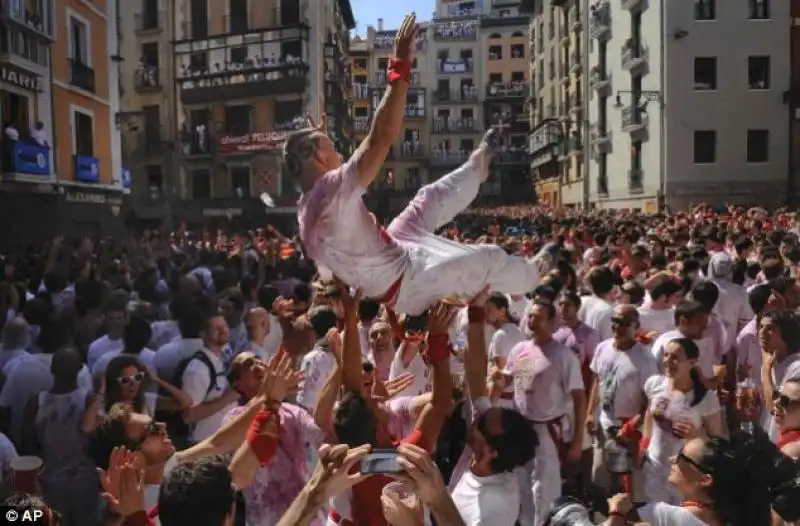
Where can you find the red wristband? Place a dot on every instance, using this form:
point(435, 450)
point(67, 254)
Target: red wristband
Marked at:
point(619, 514)
point(264, 443)
point(476, 314)
point(399, 69)
point(438, 349)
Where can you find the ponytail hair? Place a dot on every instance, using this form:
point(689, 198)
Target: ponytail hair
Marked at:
point(692, 352)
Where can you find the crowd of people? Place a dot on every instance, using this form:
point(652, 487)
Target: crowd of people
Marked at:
point(461, 367)
point(628, 374)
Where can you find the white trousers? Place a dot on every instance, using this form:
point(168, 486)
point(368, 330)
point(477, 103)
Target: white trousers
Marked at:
point(440, 268)
point(540, 485)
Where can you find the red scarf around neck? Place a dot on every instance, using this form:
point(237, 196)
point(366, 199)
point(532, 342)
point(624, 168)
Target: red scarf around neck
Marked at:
point(787, 437)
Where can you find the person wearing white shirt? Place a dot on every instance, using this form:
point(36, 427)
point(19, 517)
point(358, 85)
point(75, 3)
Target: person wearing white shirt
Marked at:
point(11, 132)
point(500, 442)
point(620, 368)
point(256, 323)
point(267, 295)
point(169, 356)
point(596, 310)
point(680, 406)
point(318, 364)
point(38, 134)
point(115, 327)
point(30, 375)
point(691, 322)
point(658, 315)
point(733, 305)
point(779, 336)
point(16, 341)
point(208, 388)
point(507, 334)
point(137, 334)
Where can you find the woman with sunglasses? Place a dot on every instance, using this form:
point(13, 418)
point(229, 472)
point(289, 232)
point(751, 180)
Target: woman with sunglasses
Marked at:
point(680, 407)
point(718, 485)
point(786, 415)
point(126, 381)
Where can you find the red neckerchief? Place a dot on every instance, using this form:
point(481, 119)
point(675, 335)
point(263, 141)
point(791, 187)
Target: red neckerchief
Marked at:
point(695, 504)
point(787, 437)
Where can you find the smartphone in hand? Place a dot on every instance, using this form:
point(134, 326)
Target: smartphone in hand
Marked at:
point(381, 462)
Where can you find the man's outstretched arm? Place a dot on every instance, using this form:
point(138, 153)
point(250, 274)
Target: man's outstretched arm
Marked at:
point(388, 121)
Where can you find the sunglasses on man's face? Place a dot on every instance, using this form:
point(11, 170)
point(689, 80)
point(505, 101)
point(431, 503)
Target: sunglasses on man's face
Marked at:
point(784, 401)
point(153, 429)
point(134, 378)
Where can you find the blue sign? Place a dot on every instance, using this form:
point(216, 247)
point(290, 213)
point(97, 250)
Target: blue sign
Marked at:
point(126, 178)
point(87, 169)
point(30, 158)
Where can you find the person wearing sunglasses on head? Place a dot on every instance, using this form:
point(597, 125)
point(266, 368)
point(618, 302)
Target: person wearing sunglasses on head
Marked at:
point(720, 486)
point(126, 380)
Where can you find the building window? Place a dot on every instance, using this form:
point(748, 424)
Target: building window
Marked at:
point(239, 55)
point(517, 76)
point(705, 10)
point(517, 50)
point(287, 111)
point(360, 63)
point(198, 14)
point(80, 41)
point(758, 72)
point(705, 73)
point(83, 129)
point(759, 9)
point(495, 78)
point(155, 181)
point(705, 147)
point(238, 17)
point(240, 181)
point(238, 120)
point(757, 146)
point(495, 52)
point(413, 180)
point(198, 62)
point(201, 184)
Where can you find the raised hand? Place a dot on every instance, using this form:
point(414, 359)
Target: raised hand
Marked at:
point(280, 378)
point(440, 318)
point(403, 42)
point(332, 475)
point(395, 386)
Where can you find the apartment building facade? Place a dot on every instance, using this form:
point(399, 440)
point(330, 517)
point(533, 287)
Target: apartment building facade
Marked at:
point(556, 38)
point(246, 74)
point(683, 108)
point(793, 187)
point(406, 167)
point(59, 99)
point(27, 186)
point(147, 120)
point(506, 98)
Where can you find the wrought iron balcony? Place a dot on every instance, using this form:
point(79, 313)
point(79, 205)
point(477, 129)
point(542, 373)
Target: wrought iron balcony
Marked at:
point(445, 158)
point(407, 152)
point(599, 80)
point(600, 20)
point(146, 78)
point(466, 95)
point(360, 91)
point(575, 17)
point(600, 139)
point(563, 73)
point(507, 90)
point(547, 135)
point(634, 119)
point(81, 75)
point(361, 125)
point(455, 30)
point(248, 82)
point(441, 125)
point(575, 102)
point(634, 55)
point(414, 111)
point(34, 15)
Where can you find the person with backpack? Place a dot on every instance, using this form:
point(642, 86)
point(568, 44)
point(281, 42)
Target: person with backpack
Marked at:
point(202, 377)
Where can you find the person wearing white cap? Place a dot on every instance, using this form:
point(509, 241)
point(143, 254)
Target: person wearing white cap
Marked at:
point(733, 306)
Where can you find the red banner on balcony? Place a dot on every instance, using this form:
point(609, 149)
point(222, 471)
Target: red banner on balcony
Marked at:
point(252, 142)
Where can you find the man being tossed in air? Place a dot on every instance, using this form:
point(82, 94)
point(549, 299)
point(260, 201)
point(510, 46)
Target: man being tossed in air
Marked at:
point(405, 266)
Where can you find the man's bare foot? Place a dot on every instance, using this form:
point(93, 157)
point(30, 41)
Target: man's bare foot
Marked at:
point(482, 156)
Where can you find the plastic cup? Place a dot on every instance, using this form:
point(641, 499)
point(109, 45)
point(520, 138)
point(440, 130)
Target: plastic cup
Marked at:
point(403, 493)
point(26, 474)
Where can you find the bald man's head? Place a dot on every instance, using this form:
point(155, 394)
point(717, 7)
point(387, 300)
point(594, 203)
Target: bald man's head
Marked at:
point(16, 335)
